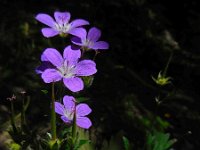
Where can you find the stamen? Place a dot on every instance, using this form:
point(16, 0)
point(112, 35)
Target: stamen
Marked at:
point(62, 27)
point(67, 70)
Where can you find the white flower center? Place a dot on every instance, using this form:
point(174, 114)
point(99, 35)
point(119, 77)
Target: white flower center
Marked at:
point(67, 71)
point(87, 43)
point(69, 115)
point(62, 27)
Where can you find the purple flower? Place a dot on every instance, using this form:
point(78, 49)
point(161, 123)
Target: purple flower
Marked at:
point(66, 68)
point(60, 25)
point(90, 40)
point(68, 109)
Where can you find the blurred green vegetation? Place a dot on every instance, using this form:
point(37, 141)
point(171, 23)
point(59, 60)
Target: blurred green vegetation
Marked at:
point(125, 100)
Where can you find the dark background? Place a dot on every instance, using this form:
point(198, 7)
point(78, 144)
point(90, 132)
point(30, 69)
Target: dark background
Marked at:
point(142, 34)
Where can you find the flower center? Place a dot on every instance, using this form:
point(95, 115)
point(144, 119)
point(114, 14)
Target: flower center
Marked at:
point(67, 71)
point(69, 115)
point(87, 43)
point(62, 27)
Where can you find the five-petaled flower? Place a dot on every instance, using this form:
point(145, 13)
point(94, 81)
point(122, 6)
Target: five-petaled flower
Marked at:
point(89, 40)
point(69, 109)
point(61, 24)
point(68, 67)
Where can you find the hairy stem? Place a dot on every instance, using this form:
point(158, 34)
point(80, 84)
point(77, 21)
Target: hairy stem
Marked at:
point(74, 130)
point(95, 55)
point(53, 114)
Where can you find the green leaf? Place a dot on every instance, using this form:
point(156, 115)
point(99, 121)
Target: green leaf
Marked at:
point(88, 80)
point(49, 136)
point(82, 99)
point(159, 141)
point(54, 144)
point(126, 143)
point(164, 124)
point(44, 91)
point(81, 143)
point(15, 146)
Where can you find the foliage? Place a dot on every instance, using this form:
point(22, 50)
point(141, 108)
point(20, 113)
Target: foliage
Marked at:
point(159, 141)
point(126, 143)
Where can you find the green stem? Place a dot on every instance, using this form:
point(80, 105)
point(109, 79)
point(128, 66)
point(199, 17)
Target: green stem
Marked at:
point(83, 52)
point(167, 65)
point(74, 130)
point(96, 53)
point(12, 117)
point(53, 114)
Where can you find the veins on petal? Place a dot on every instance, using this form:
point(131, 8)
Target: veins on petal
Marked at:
point(62, 27)
point(87, 43)
point(66, 70)
point(69, 115)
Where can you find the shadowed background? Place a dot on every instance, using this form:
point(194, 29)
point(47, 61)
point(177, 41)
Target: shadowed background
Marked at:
point(142, 34)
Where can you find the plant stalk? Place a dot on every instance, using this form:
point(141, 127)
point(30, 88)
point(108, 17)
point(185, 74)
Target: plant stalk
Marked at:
point(53, 114)
point(74, 129)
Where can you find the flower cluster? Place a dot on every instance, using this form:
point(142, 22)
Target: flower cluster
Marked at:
point(69, 67)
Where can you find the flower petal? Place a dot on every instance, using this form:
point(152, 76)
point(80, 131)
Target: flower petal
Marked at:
point(78, 32)
point(94, 34)
point(74, 84)
point(43, 57)
point(66, 120)
point(84, 122)
point(62, 17)
point(45, 65)
point(85, 68)
point(71, 55)
point(83, 110)
point(51, 75)
point(78, 23)
point(100, 45)
point(69, 103)
point(53, 56)
point(59, 108)
point(46, 19)
point(49, 32)
point(76, 41)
